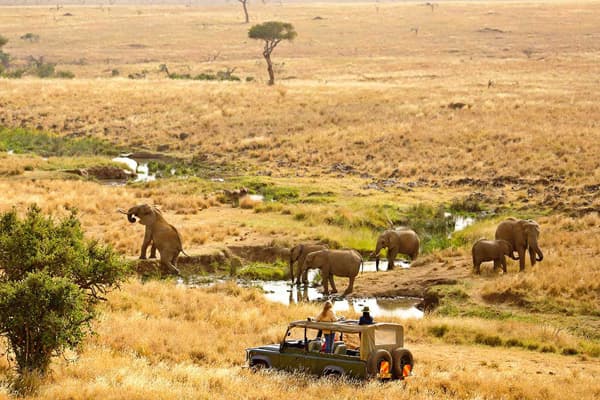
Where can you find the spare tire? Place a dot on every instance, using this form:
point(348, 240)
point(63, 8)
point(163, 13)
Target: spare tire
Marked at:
point(401, 358)
point(375, 359)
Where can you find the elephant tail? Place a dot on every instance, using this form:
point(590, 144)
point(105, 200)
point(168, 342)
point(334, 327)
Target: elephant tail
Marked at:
point(186, 254)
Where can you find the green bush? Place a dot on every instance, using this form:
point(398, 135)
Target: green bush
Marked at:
point(569, 351)
point(51, 278)
point(493, 341)
point(438, 330)
point(548, 349)
point(514, 343)
point(65, 74)
point(43, 70)
point(42, 315)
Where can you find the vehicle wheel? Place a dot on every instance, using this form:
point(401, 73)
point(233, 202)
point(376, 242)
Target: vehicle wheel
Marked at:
point(332, 374)
point(258, 365)
point(402, 359)
point(375, 359)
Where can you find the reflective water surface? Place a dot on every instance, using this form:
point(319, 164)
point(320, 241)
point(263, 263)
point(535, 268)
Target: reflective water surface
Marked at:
point(283, 292)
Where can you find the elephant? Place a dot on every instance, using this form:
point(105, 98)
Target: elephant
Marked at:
point(404, 241)
point(164, 237)
point(523, 235)
point(344, 263)
point(491, 250)
point(298, 254)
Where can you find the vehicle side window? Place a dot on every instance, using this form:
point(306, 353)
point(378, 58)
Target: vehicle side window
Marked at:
point(384, 336)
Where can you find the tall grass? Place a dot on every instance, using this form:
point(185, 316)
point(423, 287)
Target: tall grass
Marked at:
point(164, 341)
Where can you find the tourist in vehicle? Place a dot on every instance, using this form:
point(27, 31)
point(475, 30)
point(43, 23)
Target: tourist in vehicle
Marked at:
point(327, 315)
point(365, 318)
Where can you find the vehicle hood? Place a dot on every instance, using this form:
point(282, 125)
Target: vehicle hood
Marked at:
point(268, 347)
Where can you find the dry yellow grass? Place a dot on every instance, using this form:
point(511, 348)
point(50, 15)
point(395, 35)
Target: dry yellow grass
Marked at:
point(357, 87)
point(366, 86)
point(158, 340)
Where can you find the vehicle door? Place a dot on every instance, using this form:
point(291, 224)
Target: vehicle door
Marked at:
point(292, 352)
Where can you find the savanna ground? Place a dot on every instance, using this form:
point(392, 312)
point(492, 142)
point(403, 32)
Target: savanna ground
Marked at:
point(363, 126)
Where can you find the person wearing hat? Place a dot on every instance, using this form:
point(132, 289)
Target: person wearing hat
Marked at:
point(365, 318)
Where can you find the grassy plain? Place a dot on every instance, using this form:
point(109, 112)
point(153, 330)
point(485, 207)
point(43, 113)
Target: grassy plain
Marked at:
point(359, 128)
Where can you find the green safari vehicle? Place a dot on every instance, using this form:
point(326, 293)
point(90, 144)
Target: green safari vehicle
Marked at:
point(359, 351)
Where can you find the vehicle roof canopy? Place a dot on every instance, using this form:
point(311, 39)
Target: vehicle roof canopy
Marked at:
point(349, 326)
point(373, 336)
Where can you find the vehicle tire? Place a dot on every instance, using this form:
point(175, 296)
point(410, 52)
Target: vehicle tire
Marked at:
point(332, 374)
point(401, 357)
point(258, 365)
point(375, 359)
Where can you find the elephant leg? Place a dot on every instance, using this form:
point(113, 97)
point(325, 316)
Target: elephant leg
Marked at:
point(300, 271)
point(333, 288)
point(496, 265)
point(153, 250)
point(169, 261)
point(391, 257)
point(350, 287)
point(503, 262)
point(521, 259)
point(326, 284)
point(145, 243)
point(304, 275)
point(477, 266)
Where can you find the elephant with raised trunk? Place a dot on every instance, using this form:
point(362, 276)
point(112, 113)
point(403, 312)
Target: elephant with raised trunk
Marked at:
point(344, 263)
point(164, 237)
point(491, 250)
point(298, 254)
point(403, 241)
point(522, 234)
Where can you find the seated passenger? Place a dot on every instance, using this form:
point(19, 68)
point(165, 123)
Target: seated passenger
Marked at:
point(365, 318)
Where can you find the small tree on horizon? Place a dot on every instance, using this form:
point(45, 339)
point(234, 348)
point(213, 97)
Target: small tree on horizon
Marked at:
point(245, 6)
point(272, 33)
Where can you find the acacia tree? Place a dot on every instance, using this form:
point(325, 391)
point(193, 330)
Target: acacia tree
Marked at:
point(50, 280)
point(245, 6)
point(272, 33)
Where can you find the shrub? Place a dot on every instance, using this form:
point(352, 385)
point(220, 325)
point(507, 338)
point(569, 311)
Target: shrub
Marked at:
point(513, 343)
point(31, 37)
point(50, 282)
point(65, 74)
point(569, 351)
point(493, 341)
point(438, 330)
point(43, 70)
point(548, 349)
point(42, 315)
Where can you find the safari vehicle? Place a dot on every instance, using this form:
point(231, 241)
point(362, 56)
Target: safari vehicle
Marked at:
point(359, 351)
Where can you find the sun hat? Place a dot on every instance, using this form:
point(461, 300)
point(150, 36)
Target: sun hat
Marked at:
point(366, 309)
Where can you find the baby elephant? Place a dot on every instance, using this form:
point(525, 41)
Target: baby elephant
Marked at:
point(491, 250)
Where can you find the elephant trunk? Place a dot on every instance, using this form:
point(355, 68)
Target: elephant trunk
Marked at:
point(131, 218)
point(377, 264)
point(539, 254)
